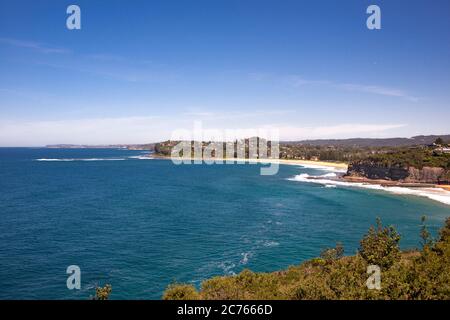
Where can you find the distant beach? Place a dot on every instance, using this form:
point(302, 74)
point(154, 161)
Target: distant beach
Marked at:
point(338, 166)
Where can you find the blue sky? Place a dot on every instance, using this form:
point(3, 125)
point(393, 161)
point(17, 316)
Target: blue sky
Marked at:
point(137, 70)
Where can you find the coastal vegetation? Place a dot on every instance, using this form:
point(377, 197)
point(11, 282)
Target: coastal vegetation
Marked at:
point(413, 164)
point(434, 154)
point(287, 151)
point(102, 293)
point(416, 274)
point(418, 157)
point(419, 164)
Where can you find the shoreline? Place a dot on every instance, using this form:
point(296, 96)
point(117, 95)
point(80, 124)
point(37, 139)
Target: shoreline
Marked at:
point(430, 191)
point(389, 183)
point(336, 166)
point(294, 162)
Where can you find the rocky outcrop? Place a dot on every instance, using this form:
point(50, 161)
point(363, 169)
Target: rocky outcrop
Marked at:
point(373, 170)
point(426, 175)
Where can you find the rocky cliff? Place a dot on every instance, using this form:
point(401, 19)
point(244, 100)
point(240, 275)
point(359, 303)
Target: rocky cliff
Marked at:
point(373, 170)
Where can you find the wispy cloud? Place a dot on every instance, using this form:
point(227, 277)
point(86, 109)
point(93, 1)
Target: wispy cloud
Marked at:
point(151, 129)
point(23, 94)
point(106, 57)
point(258, 76)
point(122, 60)
point(83, 131)
point(348, 130)
point(33, 45)
point(298, 81)
point(377, 90)
point(207, 115)
point(99, 59)
point(131, 75)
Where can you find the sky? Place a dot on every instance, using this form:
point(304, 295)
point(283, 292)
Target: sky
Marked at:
point(139, 70)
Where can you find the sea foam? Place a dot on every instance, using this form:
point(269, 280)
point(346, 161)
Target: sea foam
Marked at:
point(140, 157)
point(82, 159)
point(323, 168)
point(94, 159)
point(436, 194)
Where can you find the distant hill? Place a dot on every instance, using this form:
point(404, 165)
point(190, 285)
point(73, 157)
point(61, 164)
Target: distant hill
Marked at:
point(353, 142)
point(370, 142)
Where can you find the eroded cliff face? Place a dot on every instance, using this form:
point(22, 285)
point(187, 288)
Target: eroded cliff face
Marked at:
point(426, 175)
point(372, 170)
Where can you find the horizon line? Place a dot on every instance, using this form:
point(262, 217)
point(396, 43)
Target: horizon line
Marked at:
point(115, 145)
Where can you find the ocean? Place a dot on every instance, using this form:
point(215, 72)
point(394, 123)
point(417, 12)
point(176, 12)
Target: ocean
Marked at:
point(140, 224)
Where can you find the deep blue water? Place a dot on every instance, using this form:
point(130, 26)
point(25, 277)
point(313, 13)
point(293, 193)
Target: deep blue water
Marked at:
point(142, 224)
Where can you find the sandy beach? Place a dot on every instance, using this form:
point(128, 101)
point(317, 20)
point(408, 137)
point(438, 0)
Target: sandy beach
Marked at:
point(341, 166)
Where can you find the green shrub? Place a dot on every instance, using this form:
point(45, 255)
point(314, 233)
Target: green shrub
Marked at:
point(380, 246)
point(181, 292)
point(332, 254)
point(102, 293)
point(318, 262)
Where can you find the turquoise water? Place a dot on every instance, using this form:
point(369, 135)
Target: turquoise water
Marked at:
point(142, 224)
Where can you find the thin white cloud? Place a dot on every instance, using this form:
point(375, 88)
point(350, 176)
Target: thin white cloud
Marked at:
point(377, 90)
point(349, 130)
point(123, 69)
point(132, 76)
point(207, 115)
point(200, 114)
point(33, 45)
point(83, 131)
point(122, 60)
point(258, 76)
point(106, 57)
point(298, 81)
point(153, 129)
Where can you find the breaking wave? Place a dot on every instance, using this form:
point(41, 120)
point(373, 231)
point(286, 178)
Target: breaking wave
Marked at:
point(324, 168)
point(140, 157)
point(82, 159)
point(94, 159)
point(436, 194)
